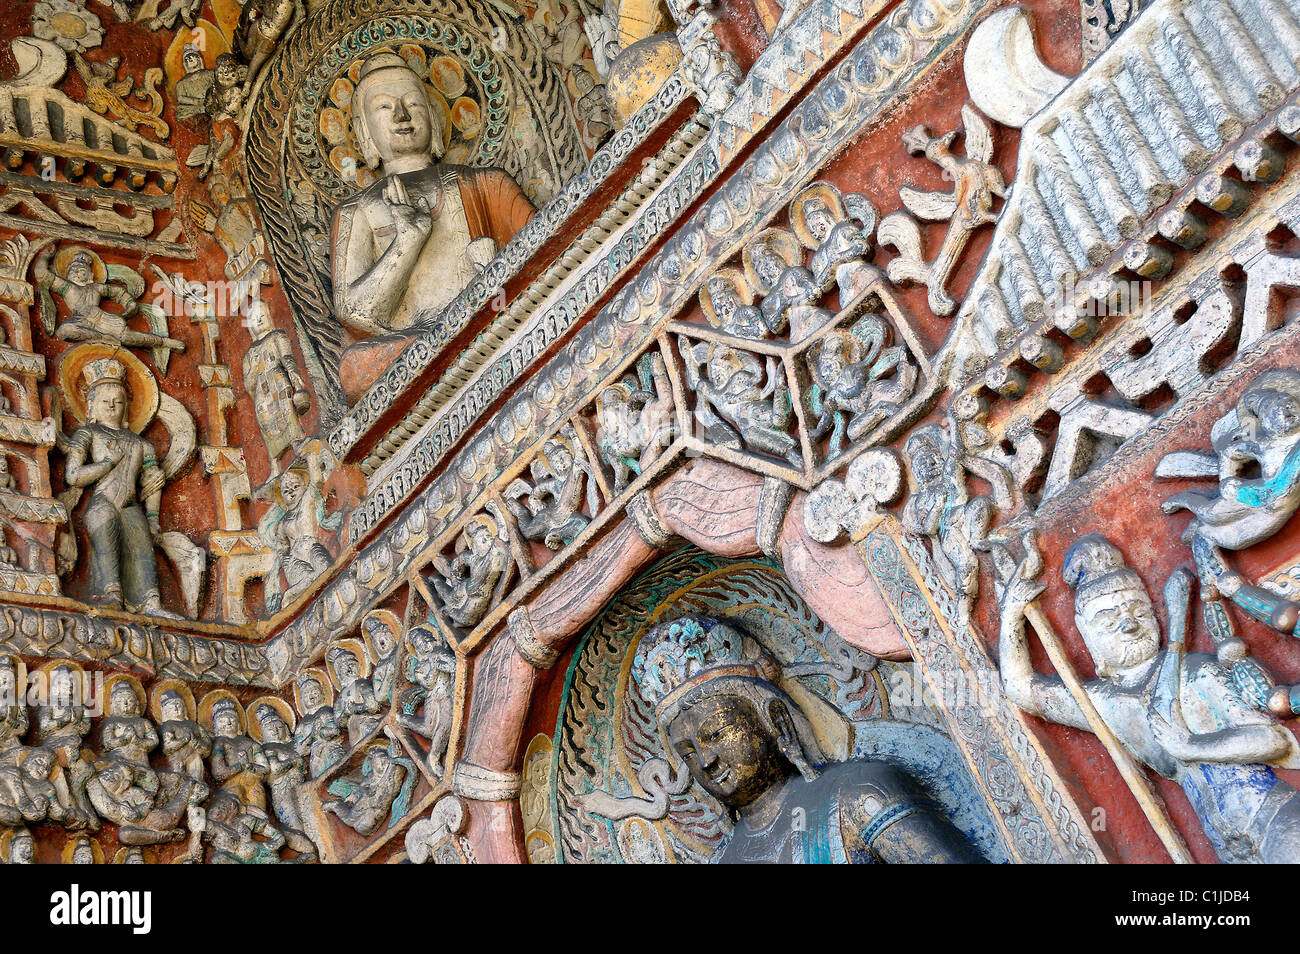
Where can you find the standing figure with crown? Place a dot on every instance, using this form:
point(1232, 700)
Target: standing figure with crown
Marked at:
point(1181, 714)
point(121, 470)
point(747, 743)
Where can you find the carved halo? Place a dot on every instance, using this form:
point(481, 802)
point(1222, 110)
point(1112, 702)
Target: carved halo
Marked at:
point(173, 685)
point(7, 837)
point(736, 279)
point(141, 386)
point(63, 259)
point(276, 703)
point(829, 195)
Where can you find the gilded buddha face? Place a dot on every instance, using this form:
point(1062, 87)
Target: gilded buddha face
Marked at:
point(729, 749)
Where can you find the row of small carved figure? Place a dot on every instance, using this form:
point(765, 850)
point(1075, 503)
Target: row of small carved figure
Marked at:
point(219, 764)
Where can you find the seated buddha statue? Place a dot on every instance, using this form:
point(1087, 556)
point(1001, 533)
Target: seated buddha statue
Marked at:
point(749, 745)
point(405, 247)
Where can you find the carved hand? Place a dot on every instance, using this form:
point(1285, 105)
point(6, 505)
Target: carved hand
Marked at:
point(412, 221)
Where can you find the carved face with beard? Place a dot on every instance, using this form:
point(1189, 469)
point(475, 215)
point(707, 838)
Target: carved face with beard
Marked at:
point(1120, 628)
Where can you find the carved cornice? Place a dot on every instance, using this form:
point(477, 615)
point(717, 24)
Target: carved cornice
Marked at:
point(139, 644)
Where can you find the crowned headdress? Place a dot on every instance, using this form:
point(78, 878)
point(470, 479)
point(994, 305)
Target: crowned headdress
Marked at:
point(104, 371)
point(1094, 567)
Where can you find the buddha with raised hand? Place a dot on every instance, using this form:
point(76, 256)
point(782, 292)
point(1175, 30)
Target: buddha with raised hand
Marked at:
point(406, 246)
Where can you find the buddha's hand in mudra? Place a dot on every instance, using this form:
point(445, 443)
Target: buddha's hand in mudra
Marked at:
point(412, 220)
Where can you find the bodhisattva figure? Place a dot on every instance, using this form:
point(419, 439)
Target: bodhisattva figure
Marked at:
point(407, 245)
point(773, 268)
point(1258, 465)
point(748, 744)
point(426, 707)
point(293, 529)
point(355, 706)
point(382, 790)
point(83, 295)
point(317, 735)
point(185, 743)
point(238, 835)
point(635, 420)
point(238, 764)
point(286, 779)
point(728, 303)
point(226, 94)
point(1178, 713)
point(61, 726)
point(13, 714)
point(381, 643)
point(273, 381)
point(7, 481)
point(824, 220)
point(121, 468)
point(31, 796)
point(469, 580)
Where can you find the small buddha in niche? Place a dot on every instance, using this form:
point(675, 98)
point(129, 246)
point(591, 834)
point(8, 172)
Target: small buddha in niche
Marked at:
point(406, 246)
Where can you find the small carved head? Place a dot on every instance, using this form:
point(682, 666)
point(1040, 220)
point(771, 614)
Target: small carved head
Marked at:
point(1112, 610)
point(310, 693)
point(83, 853)
point(258, 320)
point(22, 849)
point(107, 399)
point(1270, 406)
point(925, 450)
point(122, 699)
point(225, 719)
point(39, 763)
point(274, 728)
point(391, 115)
point(192, 58)
point(227, 69)
point(345, 664)
point(172, 706)
point(81, 270)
